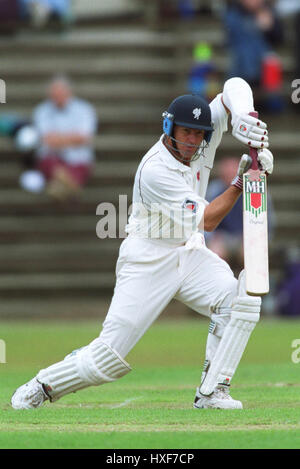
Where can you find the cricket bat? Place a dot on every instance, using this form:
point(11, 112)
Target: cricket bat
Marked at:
point(255, 224)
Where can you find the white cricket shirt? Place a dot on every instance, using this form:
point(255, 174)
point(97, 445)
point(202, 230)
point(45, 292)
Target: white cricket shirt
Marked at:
point(168, 196)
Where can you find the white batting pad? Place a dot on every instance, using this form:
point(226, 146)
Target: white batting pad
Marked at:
point(244, 316)
point(90, 366)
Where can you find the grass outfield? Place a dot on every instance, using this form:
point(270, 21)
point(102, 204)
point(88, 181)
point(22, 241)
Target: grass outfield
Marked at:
point(151, 407)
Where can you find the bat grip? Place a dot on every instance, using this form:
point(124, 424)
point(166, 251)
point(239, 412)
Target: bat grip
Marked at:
point(253, 151)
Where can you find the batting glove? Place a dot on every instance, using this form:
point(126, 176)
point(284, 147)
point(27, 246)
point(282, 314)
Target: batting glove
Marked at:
point(245, 163)
point(251, 131)
point(266, 159)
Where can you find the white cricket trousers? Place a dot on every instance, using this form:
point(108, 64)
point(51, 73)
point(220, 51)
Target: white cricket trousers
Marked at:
point(150, 274)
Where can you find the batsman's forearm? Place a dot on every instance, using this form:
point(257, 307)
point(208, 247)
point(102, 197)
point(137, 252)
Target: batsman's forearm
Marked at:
point(219, 208)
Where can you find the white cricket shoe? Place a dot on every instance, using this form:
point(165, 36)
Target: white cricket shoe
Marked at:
point(29, 396)
point(219, 399)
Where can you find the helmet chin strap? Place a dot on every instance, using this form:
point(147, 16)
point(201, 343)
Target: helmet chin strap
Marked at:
point(194, 157)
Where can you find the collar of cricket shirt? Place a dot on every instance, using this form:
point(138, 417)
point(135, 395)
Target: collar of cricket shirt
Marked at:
point(170, 160)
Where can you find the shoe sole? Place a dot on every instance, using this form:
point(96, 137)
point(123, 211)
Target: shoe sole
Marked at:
point(219, 408)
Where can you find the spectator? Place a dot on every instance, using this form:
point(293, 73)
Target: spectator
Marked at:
point(42, 12)
point(226, 240)
point(253, 30)
point(202, 75)
point(186, 9)
point(181, 9)
point(189, 9)
point(66, 126)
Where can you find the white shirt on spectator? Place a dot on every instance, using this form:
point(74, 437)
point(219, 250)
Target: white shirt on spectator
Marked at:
point(77, 117)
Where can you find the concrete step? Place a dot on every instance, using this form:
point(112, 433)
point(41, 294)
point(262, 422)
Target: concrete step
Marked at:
point(95, 92)
point(66, 308)
point(105, 175)
point(89, 194)
point(58, 258)
point(286, 168)
point(281, 141)
point(86, 64)
point(64, 225)
point(36, 227)
point(137, 115)
point(61, 308)
point(21, 204)
point(22, 254)
point(80, 39)
point(65, 296)
point(285, 196)
point(30, 284)
point(107, 65)
point(75, 263)
point(119, 37)
point(115, 98)
point(110, 38)
point(23, 258)
point(104, 172)
point(79, 282)
point(90, 8)
point(286, 219)
point(95, 195)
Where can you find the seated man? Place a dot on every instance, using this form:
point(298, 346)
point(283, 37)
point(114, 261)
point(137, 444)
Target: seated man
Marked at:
point(66, 126)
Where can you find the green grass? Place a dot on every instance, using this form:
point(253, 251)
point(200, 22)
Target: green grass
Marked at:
point(151, 407)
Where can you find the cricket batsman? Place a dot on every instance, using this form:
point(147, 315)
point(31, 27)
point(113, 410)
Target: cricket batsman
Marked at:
point(164, 255)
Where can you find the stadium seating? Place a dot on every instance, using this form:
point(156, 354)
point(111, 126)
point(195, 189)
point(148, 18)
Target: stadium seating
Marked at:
point(51, 261)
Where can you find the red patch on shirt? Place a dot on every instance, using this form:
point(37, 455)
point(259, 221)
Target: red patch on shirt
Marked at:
point(190, 205)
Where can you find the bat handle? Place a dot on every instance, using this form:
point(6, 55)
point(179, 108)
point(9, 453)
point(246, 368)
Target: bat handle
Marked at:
point(253, 151)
